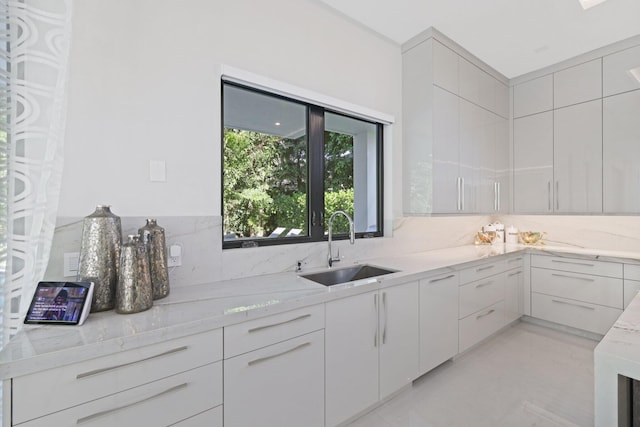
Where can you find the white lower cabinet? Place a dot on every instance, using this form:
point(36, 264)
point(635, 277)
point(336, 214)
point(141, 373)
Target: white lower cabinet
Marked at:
point(131, 388)
point(438, 320)
point(279, 385)
point(274, 370)
point(160, 403)
point(581, 293)
point(371, 349)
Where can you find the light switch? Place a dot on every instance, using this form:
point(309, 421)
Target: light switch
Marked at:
point(70, 267)
point(157, 171)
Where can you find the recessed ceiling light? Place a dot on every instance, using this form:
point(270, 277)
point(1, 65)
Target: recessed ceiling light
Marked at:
point(635, 73)
point(277, 123)
point(586, 4)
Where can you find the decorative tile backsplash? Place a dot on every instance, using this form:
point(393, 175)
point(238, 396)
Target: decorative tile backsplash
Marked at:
point(204, 261)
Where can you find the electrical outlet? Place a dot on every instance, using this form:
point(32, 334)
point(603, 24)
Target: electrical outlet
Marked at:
point(175, 256)
point(70, 267)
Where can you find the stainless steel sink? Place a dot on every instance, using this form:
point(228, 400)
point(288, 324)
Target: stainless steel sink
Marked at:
point(344, 275)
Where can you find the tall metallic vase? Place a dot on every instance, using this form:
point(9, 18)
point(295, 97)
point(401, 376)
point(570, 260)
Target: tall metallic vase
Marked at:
point(100, 255)
point(152, 235)
point(134, 292)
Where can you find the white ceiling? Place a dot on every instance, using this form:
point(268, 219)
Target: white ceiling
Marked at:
point(513, 36)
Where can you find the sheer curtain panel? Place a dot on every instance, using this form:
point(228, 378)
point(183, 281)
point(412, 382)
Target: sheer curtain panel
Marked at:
point(36, 38)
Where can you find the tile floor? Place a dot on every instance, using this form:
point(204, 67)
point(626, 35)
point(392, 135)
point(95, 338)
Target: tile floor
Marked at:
point(527, 375)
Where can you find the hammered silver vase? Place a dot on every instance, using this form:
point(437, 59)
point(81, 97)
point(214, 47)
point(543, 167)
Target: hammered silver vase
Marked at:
point(152, 235)
point(134, 292)
point(100, 255)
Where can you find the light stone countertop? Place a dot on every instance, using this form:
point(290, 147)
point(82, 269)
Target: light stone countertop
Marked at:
point(193, 309)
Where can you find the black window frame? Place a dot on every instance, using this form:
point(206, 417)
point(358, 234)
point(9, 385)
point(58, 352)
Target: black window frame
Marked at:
point(315, 175)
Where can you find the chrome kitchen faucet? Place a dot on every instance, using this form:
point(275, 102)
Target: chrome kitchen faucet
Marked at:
point(352, 235)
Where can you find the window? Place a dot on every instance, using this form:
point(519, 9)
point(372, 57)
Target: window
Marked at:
point(288, 165)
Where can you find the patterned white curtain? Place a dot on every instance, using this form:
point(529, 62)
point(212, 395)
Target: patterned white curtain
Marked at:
point(36, 37)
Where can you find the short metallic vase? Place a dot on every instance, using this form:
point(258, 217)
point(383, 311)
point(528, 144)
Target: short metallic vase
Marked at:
point(152, 235)
point(134, 292)
point(100, 255)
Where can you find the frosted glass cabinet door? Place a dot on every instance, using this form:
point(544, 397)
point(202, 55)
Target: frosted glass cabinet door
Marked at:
point(533, 163)
point(621, 151)
point(578, 158)
point(445, 151)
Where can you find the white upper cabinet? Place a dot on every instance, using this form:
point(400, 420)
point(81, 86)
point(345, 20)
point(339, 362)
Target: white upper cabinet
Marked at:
point(621, 71)
point(533, 163)
point(445, 67)
point(453, 113)
point(578, 158)
point(469, 81)
point(578, 84)
point(621, 151)
point(534, 96)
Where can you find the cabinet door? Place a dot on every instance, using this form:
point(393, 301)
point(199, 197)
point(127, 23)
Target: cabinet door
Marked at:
point(352, 342)
point(621, 71)
point(469, 81)
point(486, 193)
point(621, 151)
point(577, 84)
point(399, 348)
point(533, 163)
point(502, 165)
point(438, 320)
point(445, 67)
point(578, 158)
point(279, 385)
point(514, 295)
point(445, 151)
point(472, 135)
point(534, 96)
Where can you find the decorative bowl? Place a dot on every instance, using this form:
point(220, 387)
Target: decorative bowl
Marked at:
point(531, 237)
point(485, 237)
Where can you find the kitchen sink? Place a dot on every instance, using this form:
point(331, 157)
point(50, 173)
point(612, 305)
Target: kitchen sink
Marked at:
point(350, 274)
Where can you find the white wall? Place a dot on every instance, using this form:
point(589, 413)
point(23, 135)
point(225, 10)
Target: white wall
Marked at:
point(145, 86)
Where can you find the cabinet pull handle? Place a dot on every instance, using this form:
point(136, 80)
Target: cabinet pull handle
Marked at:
point(264, 359)
point(442, 278)
point(482, 285)
point(462, 192)
point(586, 279)
point(375, 305)
point(495, 196)
point(384, 309)
point(557, 195)
point(514, 260)
point(488, 267)
point(573, 262)
point(458, 181)
point(119, 408)
point(573, 304)
point(479, 316)
point(498, 197)
point(259, 328)
point(549, 195)
point(515, 274)
point(111, 368)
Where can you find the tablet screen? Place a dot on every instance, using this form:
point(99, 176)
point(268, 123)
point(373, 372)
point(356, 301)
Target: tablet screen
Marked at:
point(58, 302)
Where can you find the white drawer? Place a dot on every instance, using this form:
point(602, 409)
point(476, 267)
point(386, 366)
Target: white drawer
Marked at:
point(581, 287)
point(210, 418)
point(514, 262)
point(580, 315)
point(585, 266)
point(632, 271)
point(254, 334)
point(631, 288)
point(478, 326)
point(481, 294)
point(159, 403)
point(481, 271)
point(100, 377)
